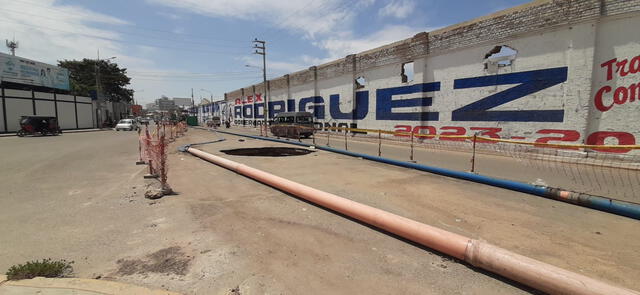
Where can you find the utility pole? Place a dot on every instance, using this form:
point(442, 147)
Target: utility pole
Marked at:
point(12, 45)
point(260, 47)
point(98, 88)
point(99, 102)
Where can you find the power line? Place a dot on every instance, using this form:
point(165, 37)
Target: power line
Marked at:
point(190, 73)
point(196, 80)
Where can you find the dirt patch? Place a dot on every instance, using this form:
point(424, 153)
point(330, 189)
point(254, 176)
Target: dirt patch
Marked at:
point(235, 291)
point(170, 260)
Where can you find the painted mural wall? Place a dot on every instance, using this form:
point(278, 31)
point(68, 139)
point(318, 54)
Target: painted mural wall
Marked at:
point(573, 81)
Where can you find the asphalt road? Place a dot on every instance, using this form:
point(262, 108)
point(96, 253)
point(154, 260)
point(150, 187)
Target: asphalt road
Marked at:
point(79, 196)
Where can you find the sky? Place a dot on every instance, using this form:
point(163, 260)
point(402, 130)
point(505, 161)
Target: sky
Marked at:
point(172, 46)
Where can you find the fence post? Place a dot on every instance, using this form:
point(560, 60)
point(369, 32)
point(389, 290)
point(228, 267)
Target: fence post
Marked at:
point(345, 139)
point(411, 155)
point(379, 142)
point(313, 135)
point(150, 175)
point(328, 134)
point(140, 161)
point(473, 154)
point(163, 164)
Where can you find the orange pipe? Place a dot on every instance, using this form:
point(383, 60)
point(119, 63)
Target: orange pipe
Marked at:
point(536, 274)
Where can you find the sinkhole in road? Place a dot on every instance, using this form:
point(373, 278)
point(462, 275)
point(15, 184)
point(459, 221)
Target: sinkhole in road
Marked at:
point(267, 152)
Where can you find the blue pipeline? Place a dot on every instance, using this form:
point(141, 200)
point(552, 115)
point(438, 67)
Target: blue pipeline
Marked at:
point(622, 208)
point(184, 148)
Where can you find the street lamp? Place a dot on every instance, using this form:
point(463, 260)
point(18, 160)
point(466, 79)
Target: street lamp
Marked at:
point(260, 47)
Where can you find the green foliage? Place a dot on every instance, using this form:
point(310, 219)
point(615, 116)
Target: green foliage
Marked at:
point(46, 268)
point(113, 79)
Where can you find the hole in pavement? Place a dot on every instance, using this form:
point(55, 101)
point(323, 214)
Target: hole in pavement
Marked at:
point(267, 152)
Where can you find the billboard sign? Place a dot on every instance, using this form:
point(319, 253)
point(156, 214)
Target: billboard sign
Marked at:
point(25, 71)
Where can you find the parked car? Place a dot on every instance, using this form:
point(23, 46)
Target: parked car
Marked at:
point(214, 122)
point(293, 124)
point(38, 124)
point(126, 124)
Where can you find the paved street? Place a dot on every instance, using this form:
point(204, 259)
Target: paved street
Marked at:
point(73, 197)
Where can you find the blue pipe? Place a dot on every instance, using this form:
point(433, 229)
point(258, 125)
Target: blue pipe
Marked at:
point(184, 148)
point(622, 208)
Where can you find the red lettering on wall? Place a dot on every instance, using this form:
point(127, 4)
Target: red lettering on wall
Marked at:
point(620, 95)
point(598, 99)
point(634, 65)
point(430, 131)
point(567, 135)
point(634, 91)
point(609, 65)
point(624, 138)
point(620, 68)
point(487, 132)
point(562, 136)
point(460, 131)
point(401, 129)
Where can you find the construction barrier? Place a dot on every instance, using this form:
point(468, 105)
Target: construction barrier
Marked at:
point(152, 147)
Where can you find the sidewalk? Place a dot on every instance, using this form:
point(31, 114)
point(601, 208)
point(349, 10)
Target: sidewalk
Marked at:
point(63, 286)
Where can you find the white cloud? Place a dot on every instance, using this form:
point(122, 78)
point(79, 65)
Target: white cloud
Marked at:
point(169, 15)
point(309, 17)
point(275, 68)
point(341, 46)
point(48, 32)
point(398, 8)
point(327, 23)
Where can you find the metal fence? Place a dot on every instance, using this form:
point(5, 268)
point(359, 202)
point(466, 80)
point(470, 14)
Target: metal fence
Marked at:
point(612, 171)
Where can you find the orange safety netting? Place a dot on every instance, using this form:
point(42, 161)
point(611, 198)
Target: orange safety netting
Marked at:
point(153, 151)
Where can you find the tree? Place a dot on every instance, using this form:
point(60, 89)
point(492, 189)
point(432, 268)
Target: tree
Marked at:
point(113, 79)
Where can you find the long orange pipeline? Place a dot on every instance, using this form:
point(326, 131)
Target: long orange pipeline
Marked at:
point(536, 274)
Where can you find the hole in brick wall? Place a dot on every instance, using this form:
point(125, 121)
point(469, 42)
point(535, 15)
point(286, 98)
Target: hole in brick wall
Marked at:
point(360, 82)
point(407, 72)
point(499, 56)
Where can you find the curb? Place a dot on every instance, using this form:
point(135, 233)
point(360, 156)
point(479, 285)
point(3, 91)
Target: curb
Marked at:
point(75, 284)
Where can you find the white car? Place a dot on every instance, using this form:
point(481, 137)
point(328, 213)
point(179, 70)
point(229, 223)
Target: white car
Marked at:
point(126, 124)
